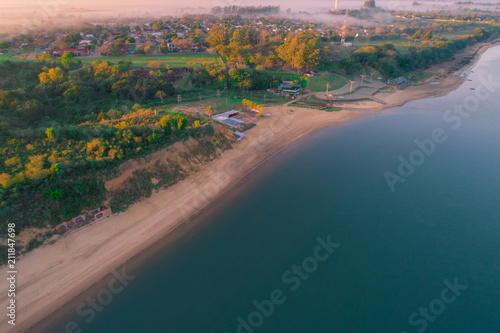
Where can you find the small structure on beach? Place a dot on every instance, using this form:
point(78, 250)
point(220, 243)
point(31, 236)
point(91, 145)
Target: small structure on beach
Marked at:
point(399, 82)
point(233, 122)
point(239, 135)
point(288, 87)
point(229, 118)
point(84, 219)
point(226, 115)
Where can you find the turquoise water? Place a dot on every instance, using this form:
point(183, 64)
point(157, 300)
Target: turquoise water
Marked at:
point(395, 253)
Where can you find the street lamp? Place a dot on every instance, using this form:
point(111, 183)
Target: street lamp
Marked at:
point(362, 78)
point(350, 91)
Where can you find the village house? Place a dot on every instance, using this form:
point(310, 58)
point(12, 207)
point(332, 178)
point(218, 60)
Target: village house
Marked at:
point(172, 46)
point(20, 45)
point(288, 87)
point(198, 48)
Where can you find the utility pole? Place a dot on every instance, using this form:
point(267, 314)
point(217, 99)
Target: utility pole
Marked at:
point(330, 99)
point(327, 86)
point(350, 91)
point(362, 78)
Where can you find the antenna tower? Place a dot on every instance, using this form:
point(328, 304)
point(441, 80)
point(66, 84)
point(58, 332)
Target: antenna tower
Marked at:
point(344, 28)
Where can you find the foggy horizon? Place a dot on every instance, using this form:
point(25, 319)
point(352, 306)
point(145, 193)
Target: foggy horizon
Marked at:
point(29, 14)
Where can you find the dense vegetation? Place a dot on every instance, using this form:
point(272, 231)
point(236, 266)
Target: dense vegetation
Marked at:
point(391, 63)
point(66, 124)
point(56, 152)
point(248, 47)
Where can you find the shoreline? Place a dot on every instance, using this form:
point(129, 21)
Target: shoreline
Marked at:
point(450, 76)
point(48, 275)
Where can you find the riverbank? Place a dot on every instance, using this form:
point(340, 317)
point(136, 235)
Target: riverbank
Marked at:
point(445, 78)
point(51, 276)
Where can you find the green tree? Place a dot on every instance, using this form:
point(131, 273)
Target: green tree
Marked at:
point(50, 134)
point(160, 94)
point(68, 60)
point(73, 37)
point(417, 34)
point(165, 121)
point(427, 35)
point(181, 123)
point(302, 51)
point(219, 37)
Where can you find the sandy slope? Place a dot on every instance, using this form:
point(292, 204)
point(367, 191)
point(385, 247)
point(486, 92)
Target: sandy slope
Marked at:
point(51, 276)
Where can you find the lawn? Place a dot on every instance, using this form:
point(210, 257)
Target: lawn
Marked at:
point(174, 60)
point(4, 57)
point(228, 100)
point(318, 83)
point(285, 76)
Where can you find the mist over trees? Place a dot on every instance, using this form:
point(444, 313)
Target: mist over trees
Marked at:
point(245, 10)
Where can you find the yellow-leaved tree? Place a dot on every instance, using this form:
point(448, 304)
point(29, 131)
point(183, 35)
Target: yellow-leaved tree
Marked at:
point(209, 111)
point(5, 180)
point(52, 76)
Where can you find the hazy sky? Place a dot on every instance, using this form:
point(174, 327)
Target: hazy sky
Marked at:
point(164, 4)
point(23, 13)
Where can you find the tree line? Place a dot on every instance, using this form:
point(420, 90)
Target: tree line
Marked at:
point(391, 63)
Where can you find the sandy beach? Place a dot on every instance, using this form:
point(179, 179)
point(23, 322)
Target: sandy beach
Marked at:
point(52, 276)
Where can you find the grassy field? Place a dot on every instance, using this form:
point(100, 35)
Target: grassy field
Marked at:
point(4, 57)
point(174, 60)
point(227, 100)
point(318, 83)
